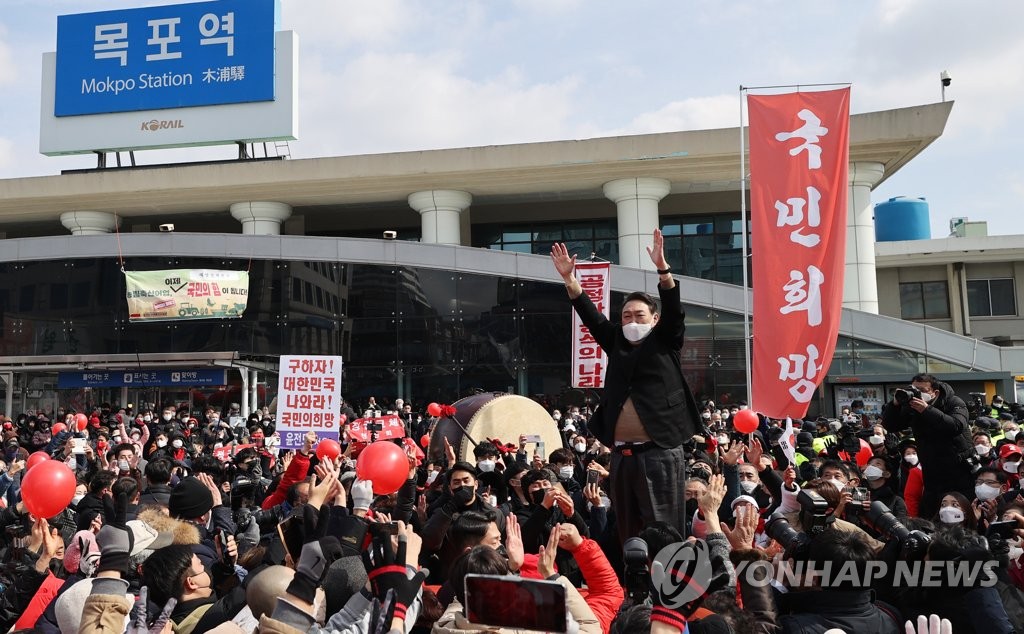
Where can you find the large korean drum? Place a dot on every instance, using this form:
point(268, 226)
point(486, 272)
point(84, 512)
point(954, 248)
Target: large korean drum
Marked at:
point(493, 416)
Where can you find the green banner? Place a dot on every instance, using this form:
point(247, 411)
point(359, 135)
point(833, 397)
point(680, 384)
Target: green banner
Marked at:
point(186, 294)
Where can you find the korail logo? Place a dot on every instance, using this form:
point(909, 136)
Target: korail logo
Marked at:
point(681, 572)
point(167, 124)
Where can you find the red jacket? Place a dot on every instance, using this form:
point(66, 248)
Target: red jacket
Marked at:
point(296, 472)
point(913, 490)
point(604, 594)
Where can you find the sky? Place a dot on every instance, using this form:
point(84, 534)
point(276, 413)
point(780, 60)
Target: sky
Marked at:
point(395, 75)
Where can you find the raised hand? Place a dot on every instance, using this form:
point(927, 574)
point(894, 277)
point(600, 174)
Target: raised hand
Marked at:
point(563, 262)
point(657, 251)
point(514, 543)
point(732, 456)
point(742, 536)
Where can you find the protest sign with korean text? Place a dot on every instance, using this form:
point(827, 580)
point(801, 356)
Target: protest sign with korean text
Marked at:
point(391, 427)
point(799, 153)
point(186, 294)
point(588, 359)
point(308, 398)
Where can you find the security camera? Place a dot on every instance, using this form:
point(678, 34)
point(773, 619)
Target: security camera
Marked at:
point(167, 227)
point(390, 235)
point(945, 78)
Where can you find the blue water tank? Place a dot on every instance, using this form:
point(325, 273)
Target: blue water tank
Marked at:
point(902, 218)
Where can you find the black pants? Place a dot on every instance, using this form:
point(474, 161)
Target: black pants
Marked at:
point(648, 487)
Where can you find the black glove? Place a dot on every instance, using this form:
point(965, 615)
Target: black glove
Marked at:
point(388, 579)
point(832, 448)
point(140, 623)
point(115, 540)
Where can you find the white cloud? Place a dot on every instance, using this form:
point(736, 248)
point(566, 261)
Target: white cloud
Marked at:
point(397, 102)
point(695, 113)
point(341, 24)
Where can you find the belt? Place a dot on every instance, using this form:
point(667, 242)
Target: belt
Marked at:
point(633, 448)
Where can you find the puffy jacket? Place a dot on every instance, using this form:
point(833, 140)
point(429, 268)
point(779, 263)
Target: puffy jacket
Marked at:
point(605, 594)
point(913, 490)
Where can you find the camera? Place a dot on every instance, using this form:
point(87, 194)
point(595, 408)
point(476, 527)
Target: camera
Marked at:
point(167, 227)
point(903, 395)
point(636, 574)
point(814, 518)
point(913, 544)
point(945, 78)
point(976, 405)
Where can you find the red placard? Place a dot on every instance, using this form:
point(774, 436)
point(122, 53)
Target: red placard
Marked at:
point(225, 453)
point(799, 155)
point(588, 359)
point(391, 427)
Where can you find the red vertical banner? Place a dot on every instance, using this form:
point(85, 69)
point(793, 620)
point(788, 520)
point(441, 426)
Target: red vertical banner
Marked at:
point(799, 155)
point(588, 359)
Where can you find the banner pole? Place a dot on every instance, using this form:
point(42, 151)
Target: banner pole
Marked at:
point(746, 261)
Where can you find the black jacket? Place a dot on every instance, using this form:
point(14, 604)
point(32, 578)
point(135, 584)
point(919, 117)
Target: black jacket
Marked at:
point(943, 443)
point(156, 494)
point(650, 374)
point(817, 611)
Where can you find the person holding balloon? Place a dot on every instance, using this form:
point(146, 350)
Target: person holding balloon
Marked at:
point(646, 411)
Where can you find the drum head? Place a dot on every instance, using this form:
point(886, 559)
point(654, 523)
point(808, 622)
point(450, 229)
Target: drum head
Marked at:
point(502, 417)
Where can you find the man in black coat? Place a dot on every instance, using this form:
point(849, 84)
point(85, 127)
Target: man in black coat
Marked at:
point(939, 422)
point(647, 410)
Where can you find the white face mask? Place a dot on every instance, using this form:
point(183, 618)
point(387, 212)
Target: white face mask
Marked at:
point(984, 492)
point(565, 472)
point(706, 415)
point(950, 515)
point(161, 443)
point(177, 444)
point(1011, 467)
point(147, 418)
point(927, 397)
point(877, 440)
point(982, 449)
point(556, 416)
point(837, 484)
point(1010, 434)
point(432, 476)
point(911, 459)
point(485, 466)
point(748, 486)
point(123, 465)
point(871, 472)
point(168, 417)
point(635, 332)
point(78, 498)
point(580, 447)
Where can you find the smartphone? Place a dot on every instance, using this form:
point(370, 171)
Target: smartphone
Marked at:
point(593, 477)
point(224, 556)
point(1002, 529)
point(290, 532)
point(533, 438)
point(384, 528)
point(540, 451)
point(513, 602)
point(78, 445)
point(859, 494)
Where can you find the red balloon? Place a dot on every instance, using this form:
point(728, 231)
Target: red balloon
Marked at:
point(386, 464)
point(37, 458)
point(745, 421)
point(328, 449)
point(58, 428)
point(425, 441)
point(434, 409)
point(47, 490)
point(863, 454)
point(81, 421)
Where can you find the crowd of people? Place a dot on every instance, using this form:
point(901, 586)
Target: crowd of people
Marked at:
point(166, 533)
point(659, 513)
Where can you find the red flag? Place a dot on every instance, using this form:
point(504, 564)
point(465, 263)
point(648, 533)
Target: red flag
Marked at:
point(799, 155)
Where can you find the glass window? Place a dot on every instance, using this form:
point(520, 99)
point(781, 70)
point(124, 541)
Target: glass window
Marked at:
point(911, 302)
point(582, 238)
point(924, 300)
point(987, 298)
point(709, 247)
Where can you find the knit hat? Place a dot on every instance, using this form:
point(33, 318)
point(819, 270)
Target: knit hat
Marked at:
point(345, 577)
point(190, 499)
point(82, 553)
point(71, 603)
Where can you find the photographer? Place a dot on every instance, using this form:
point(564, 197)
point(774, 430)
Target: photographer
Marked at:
point(938, 418)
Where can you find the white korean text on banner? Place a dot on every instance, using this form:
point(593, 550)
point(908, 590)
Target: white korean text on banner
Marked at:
point(308, 398)
point(186, 294)
point(799, 154)
point(391, 427)
point(588, 359)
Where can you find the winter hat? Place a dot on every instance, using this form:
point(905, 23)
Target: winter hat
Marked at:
point(71, 603)
point(744, 498)
point(345, 577)
point(190, 499)
point(82, 553)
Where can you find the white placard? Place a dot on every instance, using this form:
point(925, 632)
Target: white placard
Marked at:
point(308, 398)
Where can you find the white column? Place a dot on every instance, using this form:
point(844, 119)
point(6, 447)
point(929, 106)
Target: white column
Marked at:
point(637, 201)
point(860, 288)
point(439, 214)
point(261, 218)
point(89, 223)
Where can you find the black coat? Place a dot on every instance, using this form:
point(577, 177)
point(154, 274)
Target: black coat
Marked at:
point(815, 612)
point(943, 443)
point(156, 494)
point(649, 373)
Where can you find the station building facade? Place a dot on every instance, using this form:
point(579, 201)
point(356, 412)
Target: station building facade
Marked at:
point(462, 298)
